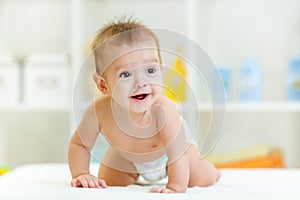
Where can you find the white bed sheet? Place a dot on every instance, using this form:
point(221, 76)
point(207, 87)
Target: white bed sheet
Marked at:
point(51, 181)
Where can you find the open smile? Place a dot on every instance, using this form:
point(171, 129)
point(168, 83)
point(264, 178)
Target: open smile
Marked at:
point(140, 97)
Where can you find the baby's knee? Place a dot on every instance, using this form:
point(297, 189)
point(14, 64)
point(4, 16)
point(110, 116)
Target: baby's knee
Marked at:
point(209, 179)
point(218, 175)
point(215, 176)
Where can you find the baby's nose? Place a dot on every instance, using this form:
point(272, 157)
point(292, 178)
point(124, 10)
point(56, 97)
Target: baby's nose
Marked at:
point(140, 81)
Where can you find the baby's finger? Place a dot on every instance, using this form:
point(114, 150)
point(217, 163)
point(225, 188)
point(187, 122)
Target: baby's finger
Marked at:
point(102, 183)
point(91, 183)
point(156, 190)
point(165, 190)
point(161, 190)
point(84, 182)
point(74, 183)
point(95, 183)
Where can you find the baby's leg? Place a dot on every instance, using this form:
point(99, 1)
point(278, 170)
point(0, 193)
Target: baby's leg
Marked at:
point(202, 172)
point(117, 171)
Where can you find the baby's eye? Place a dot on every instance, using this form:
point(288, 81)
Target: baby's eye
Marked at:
point(125, 75)
point(151, 71)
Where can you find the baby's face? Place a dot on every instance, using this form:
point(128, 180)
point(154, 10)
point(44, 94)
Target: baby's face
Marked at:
point(134, 80)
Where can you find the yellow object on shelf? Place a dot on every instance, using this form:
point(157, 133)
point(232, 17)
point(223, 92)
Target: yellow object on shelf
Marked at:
point(175, 81)
point(3, 169)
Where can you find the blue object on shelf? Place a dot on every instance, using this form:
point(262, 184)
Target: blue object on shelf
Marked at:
point(293, 80)
point(226, 76)
point(250, 81)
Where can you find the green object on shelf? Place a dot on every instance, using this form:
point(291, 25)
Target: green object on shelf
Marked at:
point(4, 169)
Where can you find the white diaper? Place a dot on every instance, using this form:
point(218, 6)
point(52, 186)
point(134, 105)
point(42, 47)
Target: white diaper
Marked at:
point(154, 170)
point(187, 132)
point(157, 169)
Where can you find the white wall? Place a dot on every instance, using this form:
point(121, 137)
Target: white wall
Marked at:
point(27, 27)
point(265, 29)
point(34, 136)
point(268, 30)
point(34, 26)
point(229, 30)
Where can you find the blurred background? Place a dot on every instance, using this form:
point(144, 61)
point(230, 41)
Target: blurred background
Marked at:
point(255, 45)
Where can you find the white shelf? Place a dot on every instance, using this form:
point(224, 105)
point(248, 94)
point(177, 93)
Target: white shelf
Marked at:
point(254, 107)
point(202, 107)
point(35, 108)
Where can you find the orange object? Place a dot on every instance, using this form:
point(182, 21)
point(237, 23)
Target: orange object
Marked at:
point(260, 162)
point(256, 157)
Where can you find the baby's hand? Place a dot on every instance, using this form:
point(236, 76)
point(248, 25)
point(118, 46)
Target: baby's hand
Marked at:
point(88, 181)
point(162, 190)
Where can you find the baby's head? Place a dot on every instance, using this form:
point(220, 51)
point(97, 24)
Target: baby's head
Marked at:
point(108, 43)
point(128, 64)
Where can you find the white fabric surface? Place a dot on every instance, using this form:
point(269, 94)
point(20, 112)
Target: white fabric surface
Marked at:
point(51, 181)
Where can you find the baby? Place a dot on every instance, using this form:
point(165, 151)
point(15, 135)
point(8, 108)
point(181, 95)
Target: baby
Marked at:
point(146, 135)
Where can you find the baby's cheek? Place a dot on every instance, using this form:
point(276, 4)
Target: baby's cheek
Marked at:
point(159, 89)
point(122, 87)
point(120, 95)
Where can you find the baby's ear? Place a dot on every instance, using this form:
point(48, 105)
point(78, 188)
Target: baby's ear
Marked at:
point(101, 83)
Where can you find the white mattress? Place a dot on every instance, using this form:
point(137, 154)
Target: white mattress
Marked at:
point(51, 181)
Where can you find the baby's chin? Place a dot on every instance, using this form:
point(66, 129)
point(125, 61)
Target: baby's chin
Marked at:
point(139, 109)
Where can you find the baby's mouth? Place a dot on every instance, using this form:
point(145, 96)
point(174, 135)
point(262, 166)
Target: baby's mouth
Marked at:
point(140, 97)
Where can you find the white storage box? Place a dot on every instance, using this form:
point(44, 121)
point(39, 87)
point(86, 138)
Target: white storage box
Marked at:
point(46, 80)
point(9, 81)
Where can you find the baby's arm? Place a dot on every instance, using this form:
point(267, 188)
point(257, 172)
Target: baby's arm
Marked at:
point(178, 174)
point(174, 140)
point(79, 151)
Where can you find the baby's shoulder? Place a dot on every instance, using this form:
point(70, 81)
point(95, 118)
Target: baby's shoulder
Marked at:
point(166, 103)
point(165, 108)
point(99, 105)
